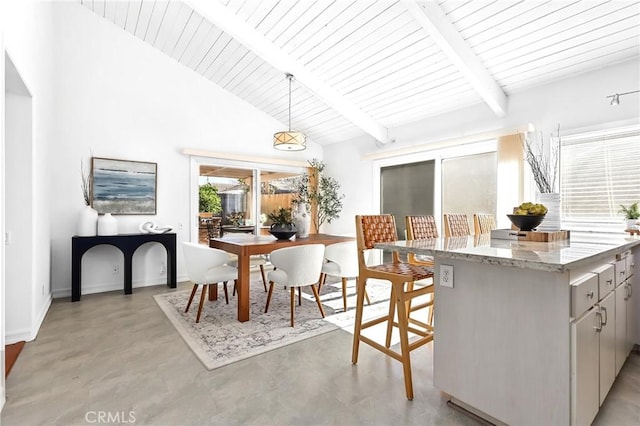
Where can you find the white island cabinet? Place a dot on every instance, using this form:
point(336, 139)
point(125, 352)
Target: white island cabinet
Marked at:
point(527, 332)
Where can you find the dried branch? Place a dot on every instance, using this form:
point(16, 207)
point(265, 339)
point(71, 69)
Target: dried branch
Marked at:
point(85, 184)
point(544, 168)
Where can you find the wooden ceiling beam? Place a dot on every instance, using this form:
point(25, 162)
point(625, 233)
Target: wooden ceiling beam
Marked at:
point(431, 17)
point(237, 28)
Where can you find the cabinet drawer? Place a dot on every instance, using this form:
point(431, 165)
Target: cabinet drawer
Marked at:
point(630, 265)
point(621, 271)
point(584, 294)
point(606, 279)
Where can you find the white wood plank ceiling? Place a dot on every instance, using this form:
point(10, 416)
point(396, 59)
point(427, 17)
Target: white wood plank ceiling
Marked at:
point(363, 67)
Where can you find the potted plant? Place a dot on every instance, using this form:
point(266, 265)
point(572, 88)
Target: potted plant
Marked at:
point(282, 226)
point(323, 199)
point(631, 214)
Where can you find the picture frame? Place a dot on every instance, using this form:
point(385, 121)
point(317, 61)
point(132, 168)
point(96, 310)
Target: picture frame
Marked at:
point(123, 186)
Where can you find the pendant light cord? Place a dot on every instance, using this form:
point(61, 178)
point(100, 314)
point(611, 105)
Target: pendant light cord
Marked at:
point(290, 77)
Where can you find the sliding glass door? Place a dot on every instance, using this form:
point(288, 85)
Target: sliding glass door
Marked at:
point(236, 197)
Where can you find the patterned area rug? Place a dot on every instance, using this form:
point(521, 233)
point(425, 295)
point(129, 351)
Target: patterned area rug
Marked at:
point(219, 339)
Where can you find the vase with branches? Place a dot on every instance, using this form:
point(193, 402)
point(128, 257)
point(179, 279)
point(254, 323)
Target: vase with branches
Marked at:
point(88, 221)
point(544, 167)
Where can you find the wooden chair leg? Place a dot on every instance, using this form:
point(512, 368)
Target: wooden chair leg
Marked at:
point(403, 326)
point(266, 308)
point(226, 292)
point(293, 298)
point(193, 293)
point(202, 297)
point(366, 295)
point(360, 289)
point(264, 278)
point(299, 296)
point(321, 281)
point(344, 294)
point(315, 293)
point(391, 317)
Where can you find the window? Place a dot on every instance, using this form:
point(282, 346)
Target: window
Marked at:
point(599, 171)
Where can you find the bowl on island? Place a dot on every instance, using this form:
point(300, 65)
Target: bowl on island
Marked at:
point(526, 222)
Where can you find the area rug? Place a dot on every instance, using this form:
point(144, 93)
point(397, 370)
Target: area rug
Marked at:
point(219, 339)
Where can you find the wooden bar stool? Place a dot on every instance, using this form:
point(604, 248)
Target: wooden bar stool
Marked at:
point(456, 225)
point(421, 228)
point(377, 229)
point(483, 223)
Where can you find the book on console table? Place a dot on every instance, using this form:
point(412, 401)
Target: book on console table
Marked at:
point(540, 236)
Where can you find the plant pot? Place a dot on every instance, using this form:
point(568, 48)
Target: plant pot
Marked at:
point(302, 221)
point(632, 223)
point(283, 231)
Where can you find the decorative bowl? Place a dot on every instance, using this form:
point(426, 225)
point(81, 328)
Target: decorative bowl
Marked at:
point(526, 222)
point(283, 235)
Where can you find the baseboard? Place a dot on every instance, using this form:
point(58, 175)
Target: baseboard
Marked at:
point(114, 286)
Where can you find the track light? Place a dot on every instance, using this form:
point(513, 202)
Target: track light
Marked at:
point(615, 98)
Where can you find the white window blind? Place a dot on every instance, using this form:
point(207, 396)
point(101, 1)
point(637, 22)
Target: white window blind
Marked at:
point(599, 172)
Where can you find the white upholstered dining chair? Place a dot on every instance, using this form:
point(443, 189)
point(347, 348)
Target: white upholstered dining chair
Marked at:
point(296, 266)
point(206, 266)
point(342, 262)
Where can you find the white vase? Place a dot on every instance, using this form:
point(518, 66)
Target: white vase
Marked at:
point(87, 222)
point(551, 220)
point(302, 220)
point(107, 225)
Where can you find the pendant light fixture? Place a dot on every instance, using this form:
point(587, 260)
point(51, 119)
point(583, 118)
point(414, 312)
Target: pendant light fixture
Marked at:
point(290, 140)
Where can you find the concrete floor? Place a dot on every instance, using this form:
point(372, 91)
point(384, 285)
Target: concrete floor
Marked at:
point(116, 359)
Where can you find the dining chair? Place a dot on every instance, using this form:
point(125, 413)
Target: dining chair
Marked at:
point(206, 266)
point(372, 229)
point(483, 223)
point(256, 260)
point(456, 225)
point(341, 261)
point(296, 267)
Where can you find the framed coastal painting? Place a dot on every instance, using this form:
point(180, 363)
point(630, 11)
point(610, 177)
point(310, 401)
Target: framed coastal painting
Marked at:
point(123, 187)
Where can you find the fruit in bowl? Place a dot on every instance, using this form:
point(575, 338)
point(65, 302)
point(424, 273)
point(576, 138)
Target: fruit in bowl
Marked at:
point(527, 216)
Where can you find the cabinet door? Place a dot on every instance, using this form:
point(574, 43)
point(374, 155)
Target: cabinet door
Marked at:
point(631, 315)
point(621, 326)
point(585, 400)
point(607, 344)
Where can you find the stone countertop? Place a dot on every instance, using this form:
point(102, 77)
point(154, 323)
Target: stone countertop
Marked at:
point(558, 256)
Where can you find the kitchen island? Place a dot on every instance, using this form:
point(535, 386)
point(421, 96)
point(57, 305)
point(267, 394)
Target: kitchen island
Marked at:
point(531, 332)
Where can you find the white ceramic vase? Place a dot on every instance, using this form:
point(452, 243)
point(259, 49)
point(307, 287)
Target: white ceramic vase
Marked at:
point(107, 225)
point(302, 220)
point(87, 222)
point(551, 220)
point(632, 224)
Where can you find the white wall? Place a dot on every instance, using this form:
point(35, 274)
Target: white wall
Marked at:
point(19, 277)
point(3, 397)
point(120, 98)
point(578, 103)
point(27, 26)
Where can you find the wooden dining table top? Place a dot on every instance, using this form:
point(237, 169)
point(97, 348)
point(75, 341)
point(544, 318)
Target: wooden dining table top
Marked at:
point(244, 246)
point(262, 244)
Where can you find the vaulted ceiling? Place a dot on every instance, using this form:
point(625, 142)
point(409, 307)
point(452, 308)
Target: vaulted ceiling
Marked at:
point(362, 67)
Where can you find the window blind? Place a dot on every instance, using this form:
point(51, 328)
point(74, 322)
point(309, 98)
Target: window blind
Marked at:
point(599, 171)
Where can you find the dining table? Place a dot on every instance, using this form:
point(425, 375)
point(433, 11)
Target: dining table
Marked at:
point(245, 246)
